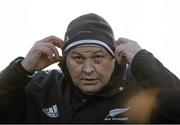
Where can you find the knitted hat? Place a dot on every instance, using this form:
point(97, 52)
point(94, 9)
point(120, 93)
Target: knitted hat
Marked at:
point(89, 29)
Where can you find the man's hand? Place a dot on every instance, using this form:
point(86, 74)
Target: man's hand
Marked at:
point(125, 50)
point(42, 54)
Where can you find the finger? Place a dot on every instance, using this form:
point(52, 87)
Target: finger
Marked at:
point(121, 58)
point(118, 57)
point(46, 51)
point(56, 41)
point(119, 49)
point(52, 47)
point(121, 41)
point(119, 53)
point(116, 43)
point(54, 60)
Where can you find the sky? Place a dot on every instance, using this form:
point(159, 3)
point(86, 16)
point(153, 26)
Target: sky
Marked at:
point(154, 24)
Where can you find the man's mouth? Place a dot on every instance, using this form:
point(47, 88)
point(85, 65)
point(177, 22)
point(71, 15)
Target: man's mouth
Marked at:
point(89, 81)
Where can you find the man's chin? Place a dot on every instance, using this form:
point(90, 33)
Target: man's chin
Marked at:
point(89, 91)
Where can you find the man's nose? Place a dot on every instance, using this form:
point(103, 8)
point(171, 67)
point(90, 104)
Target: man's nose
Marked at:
point(88, 67)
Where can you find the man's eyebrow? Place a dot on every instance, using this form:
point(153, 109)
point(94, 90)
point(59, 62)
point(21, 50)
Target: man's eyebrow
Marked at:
point(74, 52)
point(98, 51)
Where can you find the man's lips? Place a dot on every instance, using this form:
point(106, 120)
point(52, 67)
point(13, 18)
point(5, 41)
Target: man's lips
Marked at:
point(89, 81)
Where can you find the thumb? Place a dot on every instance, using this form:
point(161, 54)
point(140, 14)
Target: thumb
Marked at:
point(121, 58)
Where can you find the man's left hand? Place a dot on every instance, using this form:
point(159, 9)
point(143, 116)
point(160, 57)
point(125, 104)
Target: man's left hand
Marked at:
point(125, 50)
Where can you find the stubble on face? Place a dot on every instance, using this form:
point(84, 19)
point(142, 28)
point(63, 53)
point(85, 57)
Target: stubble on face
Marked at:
point(90, 68)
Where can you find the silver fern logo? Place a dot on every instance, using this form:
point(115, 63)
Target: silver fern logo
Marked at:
point(115, 112)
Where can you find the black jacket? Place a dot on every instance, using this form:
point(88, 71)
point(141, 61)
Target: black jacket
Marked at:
point(50, 97)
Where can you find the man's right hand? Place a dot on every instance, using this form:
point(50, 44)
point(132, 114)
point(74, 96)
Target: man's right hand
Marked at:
point(42, 54)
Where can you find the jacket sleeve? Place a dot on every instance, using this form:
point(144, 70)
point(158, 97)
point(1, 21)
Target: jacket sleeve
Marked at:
point(151, 73)
point(13, 79)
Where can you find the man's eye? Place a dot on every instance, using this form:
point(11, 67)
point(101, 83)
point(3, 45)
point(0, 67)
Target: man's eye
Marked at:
point(78, 58)
point(98, 58)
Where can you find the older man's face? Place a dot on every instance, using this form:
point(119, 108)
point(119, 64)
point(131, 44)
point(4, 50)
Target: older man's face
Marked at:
point(90, 68)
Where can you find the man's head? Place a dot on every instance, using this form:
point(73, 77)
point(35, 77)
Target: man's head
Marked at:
point(89, 53)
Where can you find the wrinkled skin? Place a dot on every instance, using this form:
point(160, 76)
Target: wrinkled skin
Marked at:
point(90, 68)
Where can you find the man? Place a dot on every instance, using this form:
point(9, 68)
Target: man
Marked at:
point(93, 85)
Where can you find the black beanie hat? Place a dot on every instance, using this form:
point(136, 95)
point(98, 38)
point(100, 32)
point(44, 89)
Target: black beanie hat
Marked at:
point(89, 29)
